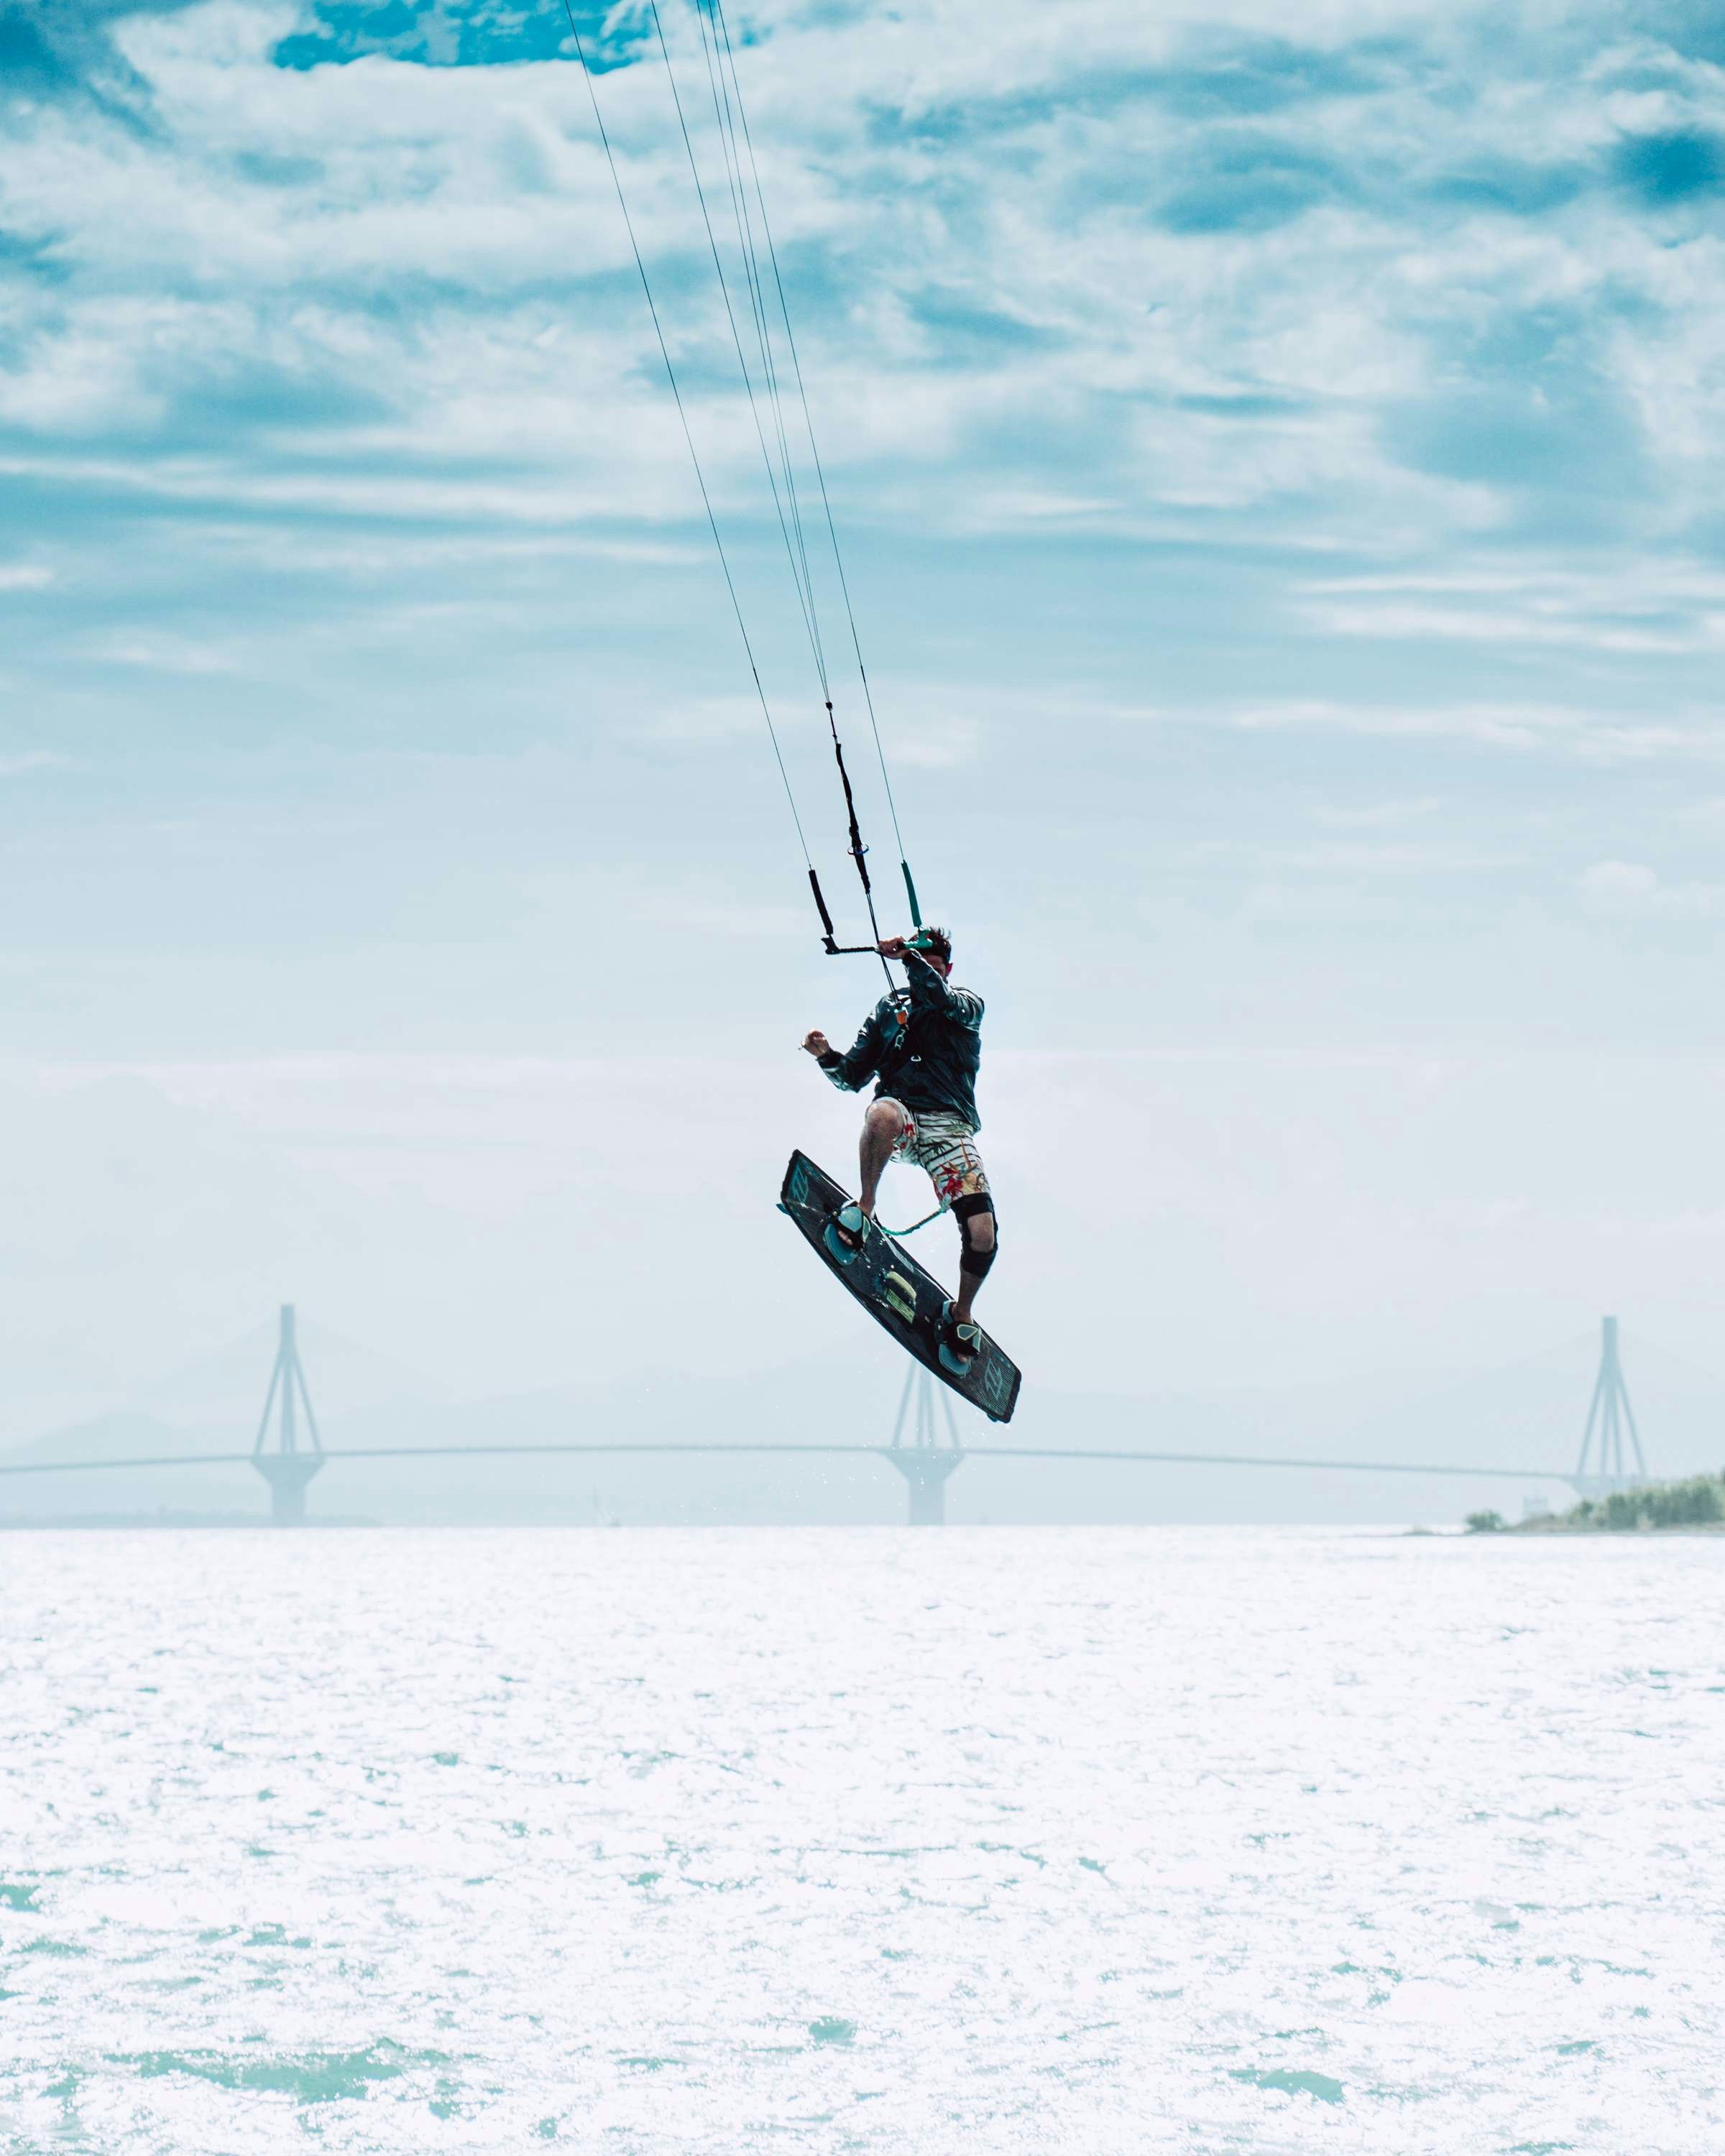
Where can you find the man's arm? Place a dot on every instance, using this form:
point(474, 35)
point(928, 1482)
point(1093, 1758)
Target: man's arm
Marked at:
point(932, 991)
point(850, 1072)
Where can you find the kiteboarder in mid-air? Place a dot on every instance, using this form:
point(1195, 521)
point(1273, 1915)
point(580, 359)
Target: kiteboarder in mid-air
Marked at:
point(921, 1044)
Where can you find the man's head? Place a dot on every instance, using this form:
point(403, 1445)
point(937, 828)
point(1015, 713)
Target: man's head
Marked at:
point(933, 944)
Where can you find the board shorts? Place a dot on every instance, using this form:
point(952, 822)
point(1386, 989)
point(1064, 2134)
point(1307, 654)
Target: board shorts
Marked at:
point(944, 1148)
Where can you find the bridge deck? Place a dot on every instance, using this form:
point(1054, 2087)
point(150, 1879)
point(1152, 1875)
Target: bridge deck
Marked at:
point(795, 1450)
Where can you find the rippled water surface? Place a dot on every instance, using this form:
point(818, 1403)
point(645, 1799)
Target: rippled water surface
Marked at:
point(975, 1841)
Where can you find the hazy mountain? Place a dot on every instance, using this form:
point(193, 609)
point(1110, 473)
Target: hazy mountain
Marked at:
point(225, 1390)
point(1527, 1417)
point(1531, 1416)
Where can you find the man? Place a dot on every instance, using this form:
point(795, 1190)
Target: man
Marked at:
point(921, 1044)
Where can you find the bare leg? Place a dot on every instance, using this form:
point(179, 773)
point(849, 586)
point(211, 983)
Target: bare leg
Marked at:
point(881, 1128)
point(978, 1233)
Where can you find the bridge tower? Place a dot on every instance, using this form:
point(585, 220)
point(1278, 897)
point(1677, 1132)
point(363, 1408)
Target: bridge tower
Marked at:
point(925, 1462)
point(1604, 1465)
point(289, 1466)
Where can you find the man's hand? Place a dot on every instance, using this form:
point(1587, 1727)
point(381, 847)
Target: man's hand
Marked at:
point(892, 947)
point(817, 1044)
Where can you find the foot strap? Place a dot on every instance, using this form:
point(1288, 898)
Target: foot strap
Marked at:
point(848, 1227)
point(958, 1345)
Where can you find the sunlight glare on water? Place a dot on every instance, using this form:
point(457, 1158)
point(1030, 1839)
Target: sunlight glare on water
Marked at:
point(941, 1844)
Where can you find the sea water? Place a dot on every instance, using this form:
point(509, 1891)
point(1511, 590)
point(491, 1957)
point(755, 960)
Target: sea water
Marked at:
point(920, 1843)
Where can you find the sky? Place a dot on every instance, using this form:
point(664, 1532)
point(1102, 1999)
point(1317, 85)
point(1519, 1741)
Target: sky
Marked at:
point(1278, 462)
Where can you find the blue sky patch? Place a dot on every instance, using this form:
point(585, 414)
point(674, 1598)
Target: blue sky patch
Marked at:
point(1672, 167)
point(1518, 188)
point(449, 34)
point(1219, 74)
point(1246, 184)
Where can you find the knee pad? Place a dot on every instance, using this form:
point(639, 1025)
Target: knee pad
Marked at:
point(972, 1260)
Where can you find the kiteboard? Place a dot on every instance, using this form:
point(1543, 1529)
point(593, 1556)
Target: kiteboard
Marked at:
point(896, 1292)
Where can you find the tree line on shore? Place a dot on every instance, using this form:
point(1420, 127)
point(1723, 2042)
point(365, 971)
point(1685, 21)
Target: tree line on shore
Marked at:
point(1698, 1501)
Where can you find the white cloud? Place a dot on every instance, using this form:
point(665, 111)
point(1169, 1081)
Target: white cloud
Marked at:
point(161, 654)
point(1633, 890)
point(1389, 857)
point(476, 200)
point(1642, 605)
point(925, 738)
point(1613, 880)
point(1597, 735)
point(704, 720)
point(1377, 815)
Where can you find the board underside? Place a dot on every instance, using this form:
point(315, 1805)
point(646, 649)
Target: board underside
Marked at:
point(896, 1292)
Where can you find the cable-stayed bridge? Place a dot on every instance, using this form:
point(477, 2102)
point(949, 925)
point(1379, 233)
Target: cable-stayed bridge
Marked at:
point(289, 1450)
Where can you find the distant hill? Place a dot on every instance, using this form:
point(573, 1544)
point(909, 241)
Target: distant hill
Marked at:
point(122, 1436)
point(225, 1390)
point(1529, 1416)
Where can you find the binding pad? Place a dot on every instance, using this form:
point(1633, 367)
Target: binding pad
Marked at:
point(895, 1290)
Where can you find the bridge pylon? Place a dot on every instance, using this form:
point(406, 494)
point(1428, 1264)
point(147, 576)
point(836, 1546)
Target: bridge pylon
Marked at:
point(925, 1462)
point(1603, 1465)
point(289, 1465)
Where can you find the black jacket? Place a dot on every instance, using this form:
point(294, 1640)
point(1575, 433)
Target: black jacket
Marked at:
point(922, 1044)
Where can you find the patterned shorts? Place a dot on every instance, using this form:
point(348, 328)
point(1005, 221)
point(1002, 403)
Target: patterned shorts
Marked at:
point(945, 1147)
